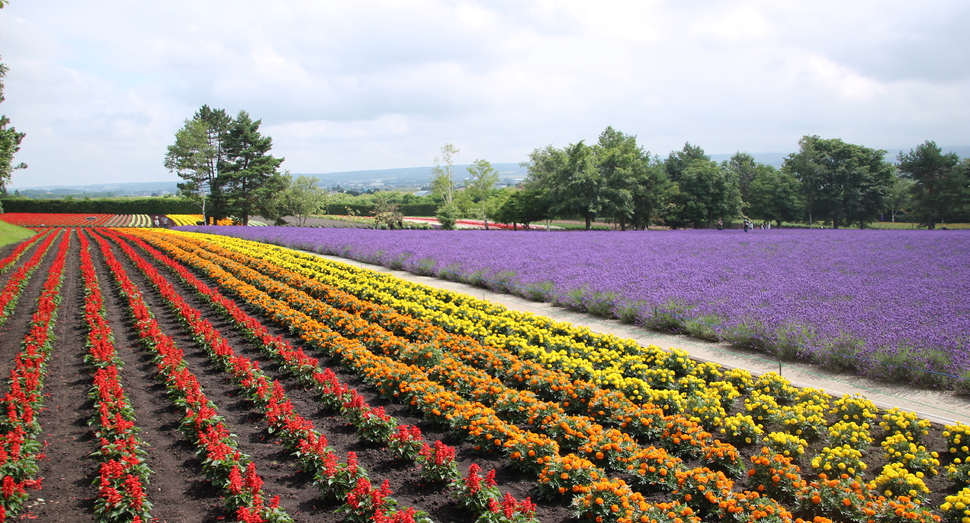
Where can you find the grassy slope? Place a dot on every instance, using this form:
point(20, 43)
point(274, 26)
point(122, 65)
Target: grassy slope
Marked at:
point(13, 234)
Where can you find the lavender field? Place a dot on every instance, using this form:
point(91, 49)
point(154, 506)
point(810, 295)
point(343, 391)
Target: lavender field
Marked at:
point(889, 304)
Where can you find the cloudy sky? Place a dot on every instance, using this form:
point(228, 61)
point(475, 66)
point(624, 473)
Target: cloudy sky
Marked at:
point(100, 87)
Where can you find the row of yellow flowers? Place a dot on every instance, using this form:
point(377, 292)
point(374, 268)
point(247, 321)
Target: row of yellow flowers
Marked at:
point(772, 399)
point(678, 436)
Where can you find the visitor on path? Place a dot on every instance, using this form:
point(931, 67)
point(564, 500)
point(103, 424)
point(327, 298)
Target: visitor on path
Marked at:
point(745, 225)
point(720, 224)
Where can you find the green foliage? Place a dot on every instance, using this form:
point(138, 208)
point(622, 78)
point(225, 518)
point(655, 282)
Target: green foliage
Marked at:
point(704, 192)
point(523, 207)
point(13, 234)
point(448, 215)
point(773, 195)
point(10, 140)
point(941, 184)
point(442, 177)
point(484, 178)
point(841, 182)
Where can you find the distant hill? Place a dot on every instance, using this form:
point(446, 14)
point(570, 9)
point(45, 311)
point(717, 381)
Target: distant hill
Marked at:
point(391, 179)
point(412, 177)
point(101, 190)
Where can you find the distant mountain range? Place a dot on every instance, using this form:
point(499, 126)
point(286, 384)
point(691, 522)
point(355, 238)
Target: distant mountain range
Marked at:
point(400, 178)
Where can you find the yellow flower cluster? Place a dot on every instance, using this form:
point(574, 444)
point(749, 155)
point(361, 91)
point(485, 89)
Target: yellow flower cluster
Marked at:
point(958, 439)
point(895, 481)
point(854, 408)
point(899, 449)
point(850, 433)
point(957, 506)
point(907, 423)
point(838, 460)
point(788, 445)
point(740, 428)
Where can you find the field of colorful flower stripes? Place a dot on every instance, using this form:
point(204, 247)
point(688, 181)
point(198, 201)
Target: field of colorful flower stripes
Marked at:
point(36, 220)
point(614, 431)
point(25, 219)
point(123, 474)
point(581, 411)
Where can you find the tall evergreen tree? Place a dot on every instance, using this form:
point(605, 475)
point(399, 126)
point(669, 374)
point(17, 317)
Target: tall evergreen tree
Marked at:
point(248, 177)
point(197, 155)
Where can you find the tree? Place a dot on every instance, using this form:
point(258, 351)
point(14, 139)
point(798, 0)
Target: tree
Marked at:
point(704, 193)
point(197, 155)
point(523, 206)
point(621, 164)
point(841, 182)
point(443, 186)
point(10, 140)
point(482, 183)
point(677, 161)
point(939, 187)
point(301, 199)
point(570, 180)
point(386, 213)
point(900, 195)
point(744, 169)
point(773, 195)
point(248, 178)
point(442, 178)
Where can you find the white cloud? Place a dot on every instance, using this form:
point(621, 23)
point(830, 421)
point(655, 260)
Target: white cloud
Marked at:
point(101, 87)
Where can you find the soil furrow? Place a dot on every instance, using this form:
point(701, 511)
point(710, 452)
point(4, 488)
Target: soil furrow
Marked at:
point(280, 473)
point(178, 489)
point(63, 418)
point(406, 483)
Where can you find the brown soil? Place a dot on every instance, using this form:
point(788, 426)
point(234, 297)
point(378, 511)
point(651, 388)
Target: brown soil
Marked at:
point(178, 489)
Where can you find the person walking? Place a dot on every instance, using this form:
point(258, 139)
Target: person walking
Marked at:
point(720, 224)
point(745, 225)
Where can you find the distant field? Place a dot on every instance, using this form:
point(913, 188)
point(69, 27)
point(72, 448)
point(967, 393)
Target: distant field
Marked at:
point(25, 219)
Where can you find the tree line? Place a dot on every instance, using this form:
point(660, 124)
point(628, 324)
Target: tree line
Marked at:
point(826, 181)
point(229, 172)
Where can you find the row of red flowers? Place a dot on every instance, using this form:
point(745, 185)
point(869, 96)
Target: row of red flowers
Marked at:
point(122, 474)
point(19, 448)
point(296, 432)
point(18, 280)
point(222, 462)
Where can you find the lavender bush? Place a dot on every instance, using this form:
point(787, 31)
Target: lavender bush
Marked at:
point(890, 304)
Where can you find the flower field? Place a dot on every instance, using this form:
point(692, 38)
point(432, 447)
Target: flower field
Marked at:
point(176, 376)
point(887, 304)
point(37, 220)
